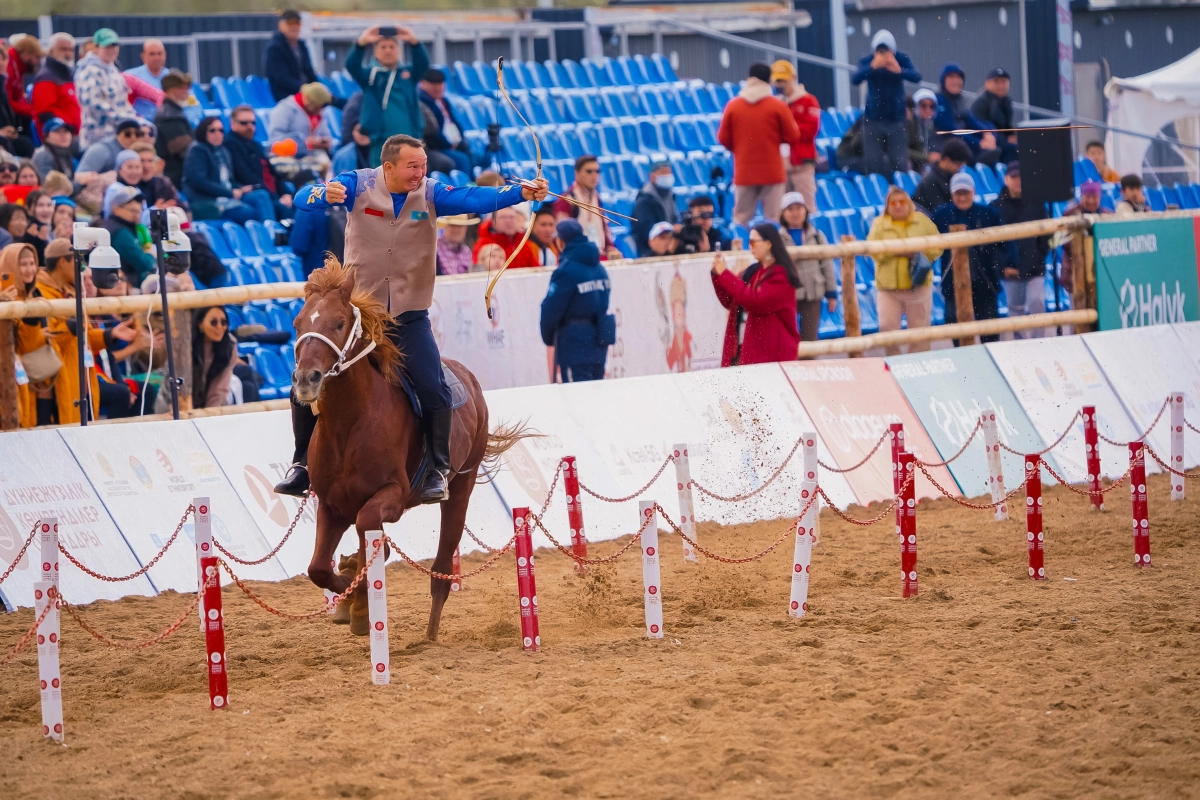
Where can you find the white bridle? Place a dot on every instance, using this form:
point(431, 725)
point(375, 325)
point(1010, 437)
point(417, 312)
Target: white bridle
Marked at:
point(341, 365)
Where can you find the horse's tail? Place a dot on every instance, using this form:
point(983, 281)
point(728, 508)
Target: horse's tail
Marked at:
point(499, 441)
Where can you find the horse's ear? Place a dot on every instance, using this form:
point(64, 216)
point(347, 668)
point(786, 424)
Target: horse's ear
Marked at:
point(347, 288)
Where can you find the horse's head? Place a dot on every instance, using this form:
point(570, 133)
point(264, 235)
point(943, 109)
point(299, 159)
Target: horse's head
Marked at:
point(334, 327)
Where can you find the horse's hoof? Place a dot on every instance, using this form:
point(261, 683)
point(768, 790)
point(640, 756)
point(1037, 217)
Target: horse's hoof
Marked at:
point(360, 626)
point(341, 614)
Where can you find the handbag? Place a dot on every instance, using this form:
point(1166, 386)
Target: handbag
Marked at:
point(919, 267)
point(42, 364)
point(606, 330)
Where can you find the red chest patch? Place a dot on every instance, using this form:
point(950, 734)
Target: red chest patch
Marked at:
point(374, 212)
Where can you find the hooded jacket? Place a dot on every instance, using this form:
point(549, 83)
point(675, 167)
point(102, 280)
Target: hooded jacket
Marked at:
point(576, 300)
point(806, 110)
point(754, 125)
point(103, 98)
point(390, 105)
point(769, 300)
point(1027, 256)
point(885, 89)
point(954, 114)
point(985, 259)
point(54, 95)
point(16, 84)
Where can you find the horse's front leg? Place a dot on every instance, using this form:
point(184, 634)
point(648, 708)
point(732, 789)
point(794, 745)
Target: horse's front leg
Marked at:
point(386, 506)
point(330, 528)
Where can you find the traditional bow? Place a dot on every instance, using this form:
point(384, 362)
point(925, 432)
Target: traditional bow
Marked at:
point(537, 147)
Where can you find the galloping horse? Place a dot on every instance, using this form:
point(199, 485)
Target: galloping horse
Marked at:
point(367, 445)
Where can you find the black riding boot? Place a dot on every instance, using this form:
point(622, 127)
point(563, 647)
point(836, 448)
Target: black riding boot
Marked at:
point(304, 422)
point(437, 479)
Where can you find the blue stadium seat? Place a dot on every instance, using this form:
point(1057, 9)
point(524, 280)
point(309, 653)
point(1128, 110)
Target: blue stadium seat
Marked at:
point(468, 79)
point(559, 76)
point(618, 70)
point(578, 75)
point(224, 94)
point(202, 97)
point(651, 100)
point(254, 314)
point(540, 75)
point(1085, 170)
point(234, 315)
point(1171, 195)
point(597, 72)
point(1188, 197)
point(824, 224)
point(664, 67)
point(259, 92)
point(1155, 199)
point(277, 378)
point(720, 95)
point(514, 76)
point(637, 70)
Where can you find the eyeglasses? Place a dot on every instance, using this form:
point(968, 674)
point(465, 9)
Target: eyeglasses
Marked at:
point(593, 171)
point(219, 322)
point(216, 129)
point(704, 215)
point(251, 122)
point(8, 167)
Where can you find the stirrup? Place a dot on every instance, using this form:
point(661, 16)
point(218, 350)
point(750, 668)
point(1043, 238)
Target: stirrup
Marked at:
point(295, 482)
point(436, 488)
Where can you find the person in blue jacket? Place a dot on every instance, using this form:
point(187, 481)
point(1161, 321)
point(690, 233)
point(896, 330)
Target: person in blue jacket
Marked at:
point(390, 105)
point(575, 307)
point(985, 260)
point(954, 114)
point(309, 238)
point(885, 118)
point(286, 62)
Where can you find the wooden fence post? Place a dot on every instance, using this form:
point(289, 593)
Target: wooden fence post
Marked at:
point(850, 311)
point(960, 264)
point(9, 411)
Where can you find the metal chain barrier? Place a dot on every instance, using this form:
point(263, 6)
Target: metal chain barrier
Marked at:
point(29, 634)
point(1168, 468)
point(961, 450)
point(586, 561)
point(864, 523)
point(1088, 492)
point(550, 493)
point(737, 498)
point(123, 645)
point(329, 604)
point(726, 559)
point(278, 547)
point(640, 491)
point(1057, 442)
point(866, 458)
point(20, 554)
point(443, 576)
point(1190, 425)
point(966, 503)
point(1145, 433)
point(136, 573)
point(467, 531)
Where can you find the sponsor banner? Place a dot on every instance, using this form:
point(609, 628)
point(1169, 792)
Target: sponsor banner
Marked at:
point(668, 320)
point(852, 402)
point(950, 390)
point(1054, 379)
point(1144, 366)
point(147, 474)
point(39, 478)
point(1146, 272)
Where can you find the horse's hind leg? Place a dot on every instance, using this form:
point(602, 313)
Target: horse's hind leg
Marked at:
point(386, 506)
point(454, 517)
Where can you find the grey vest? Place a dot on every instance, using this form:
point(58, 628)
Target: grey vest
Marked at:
point(394, 257)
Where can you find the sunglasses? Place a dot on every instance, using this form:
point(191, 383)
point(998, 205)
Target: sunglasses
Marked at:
point(219, 322)
point(704, 215)
point(243, 122)
point(590, 171)
point(216, 129)
point(8, 168)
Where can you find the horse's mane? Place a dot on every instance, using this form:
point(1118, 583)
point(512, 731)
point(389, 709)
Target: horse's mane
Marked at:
point(332, 277)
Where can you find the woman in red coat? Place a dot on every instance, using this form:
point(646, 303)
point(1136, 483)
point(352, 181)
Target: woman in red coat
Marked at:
point(761, 302)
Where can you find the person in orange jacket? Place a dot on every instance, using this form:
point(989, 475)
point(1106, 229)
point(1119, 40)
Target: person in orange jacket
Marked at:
point(56, 282)
point(18, 275)
point(806, 110)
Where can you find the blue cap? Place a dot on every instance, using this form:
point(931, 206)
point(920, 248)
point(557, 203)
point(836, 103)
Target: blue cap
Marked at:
point(568, 230)
point(51, 125)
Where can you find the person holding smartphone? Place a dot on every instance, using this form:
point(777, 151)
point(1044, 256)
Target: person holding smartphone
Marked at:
point(390, 104)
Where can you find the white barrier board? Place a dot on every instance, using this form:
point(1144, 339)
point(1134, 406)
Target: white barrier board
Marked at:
point(1189, 334)
point(39, 478)
point(1053, 379)
point(1144, 365)
point(147, 475)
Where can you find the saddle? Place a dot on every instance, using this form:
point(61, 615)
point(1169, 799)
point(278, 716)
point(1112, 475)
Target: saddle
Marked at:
point(458, 396)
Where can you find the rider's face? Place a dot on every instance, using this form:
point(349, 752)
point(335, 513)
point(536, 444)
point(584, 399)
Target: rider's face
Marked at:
point(406, 172)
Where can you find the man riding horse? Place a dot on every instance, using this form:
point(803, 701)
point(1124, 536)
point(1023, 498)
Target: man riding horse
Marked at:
point(391, 239)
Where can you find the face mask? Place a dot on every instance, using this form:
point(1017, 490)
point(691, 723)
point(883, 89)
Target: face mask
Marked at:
point(664, 181)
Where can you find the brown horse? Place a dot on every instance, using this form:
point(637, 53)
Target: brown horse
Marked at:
point(368, 443)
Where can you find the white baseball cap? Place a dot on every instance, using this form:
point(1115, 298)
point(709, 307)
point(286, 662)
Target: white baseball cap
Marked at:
point(792, 199)
point(660, 228)
point(962, 181)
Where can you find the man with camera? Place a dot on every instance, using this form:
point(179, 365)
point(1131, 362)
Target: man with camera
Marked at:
point(699, 234)
point(390, 104)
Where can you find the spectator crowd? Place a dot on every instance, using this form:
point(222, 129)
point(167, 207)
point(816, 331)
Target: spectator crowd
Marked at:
point(86, 138)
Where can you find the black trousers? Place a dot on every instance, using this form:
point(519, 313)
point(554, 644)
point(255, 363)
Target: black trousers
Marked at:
point(413, 334)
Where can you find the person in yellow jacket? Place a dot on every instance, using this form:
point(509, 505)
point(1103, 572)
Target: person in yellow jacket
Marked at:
point(896, 294)
point(18, 276)
point(57, 281)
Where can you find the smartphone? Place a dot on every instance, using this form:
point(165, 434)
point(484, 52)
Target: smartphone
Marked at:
point(718, 247)
point(388, 31)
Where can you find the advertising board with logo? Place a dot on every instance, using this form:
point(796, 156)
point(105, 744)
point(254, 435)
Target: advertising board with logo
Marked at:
point(1146, 272)
point(39, 478)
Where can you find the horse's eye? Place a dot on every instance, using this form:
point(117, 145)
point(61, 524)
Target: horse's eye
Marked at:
point(341, 325)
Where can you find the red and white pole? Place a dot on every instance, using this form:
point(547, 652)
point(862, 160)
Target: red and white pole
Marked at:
point(802, 555)
point(381, 670)
point(811, 473)
point(906, 508)
point(651, 574)
point(1177, 482)
point(531, 640)
point(212, 618)
point(46, 592)
point(202, 536)
point(1141, 507)
point(1034, 537)
point(896, 434)
point(1091, 444)
point(574, 509)
point(687, 509)
point(991, 441)
point(456, 571)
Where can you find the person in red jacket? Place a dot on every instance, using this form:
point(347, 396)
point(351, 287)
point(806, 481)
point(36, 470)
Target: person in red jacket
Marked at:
point(506, 228)
point(761, 327)
point(54, 85)
point(754, 125)
point(802, 158)
point(24, 56)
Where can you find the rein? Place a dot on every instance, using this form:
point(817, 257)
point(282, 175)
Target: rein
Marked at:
point(341, 365)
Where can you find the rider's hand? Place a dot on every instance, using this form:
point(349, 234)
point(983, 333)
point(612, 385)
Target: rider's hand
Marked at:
point(538, 191)
point(335, 192)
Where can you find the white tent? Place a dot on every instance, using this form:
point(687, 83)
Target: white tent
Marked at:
point(1147, 104)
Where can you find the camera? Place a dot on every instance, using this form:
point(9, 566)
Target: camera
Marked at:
point(493, 130)
point(388, 31)
point(103, 261)
point(283, 233)
point(690, 236)
point(167, 234)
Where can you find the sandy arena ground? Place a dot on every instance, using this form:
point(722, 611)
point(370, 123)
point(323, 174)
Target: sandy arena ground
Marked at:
point(986, 685)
